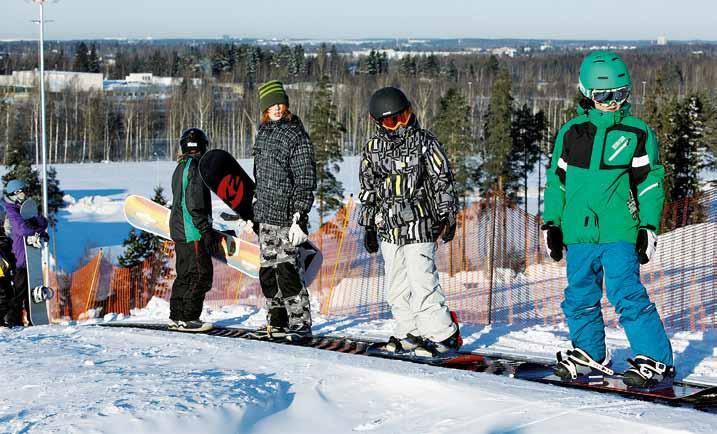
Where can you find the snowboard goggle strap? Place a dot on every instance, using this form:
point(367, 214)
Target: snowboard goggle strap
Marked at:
point(394, 122)
point(608, 96)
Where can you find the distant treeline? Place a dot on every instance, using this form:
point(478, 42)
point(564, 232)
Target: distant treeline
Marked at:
point(93, 126)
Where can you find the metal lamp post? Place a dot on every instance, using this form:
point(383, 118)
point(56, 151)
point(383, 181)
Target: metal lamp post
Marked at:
point(45, 250)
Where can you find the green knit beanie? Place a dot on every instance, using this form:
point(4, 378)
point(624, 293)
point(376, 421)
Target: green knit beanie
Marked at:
point(272, 93)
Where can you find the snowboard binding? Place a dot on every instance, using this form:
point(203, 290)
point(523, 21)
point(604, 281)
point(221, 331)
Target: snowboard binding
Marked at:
point(41, 294)
point(647, 373)
point(576, 363)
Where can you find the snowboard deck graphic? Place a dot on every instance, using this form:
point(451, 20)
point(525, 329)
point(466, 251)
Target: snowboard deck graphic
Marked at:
point(699, 396)
point(149, 216)
point(225, 177)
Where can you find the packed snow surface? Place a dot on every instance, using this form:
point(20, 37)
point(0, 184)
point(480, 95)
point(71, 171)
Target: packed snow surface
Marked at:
point(80, 377)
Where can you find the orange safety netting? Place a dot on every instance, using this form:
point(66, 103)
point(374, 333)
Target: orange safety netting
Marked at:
point(494, 271)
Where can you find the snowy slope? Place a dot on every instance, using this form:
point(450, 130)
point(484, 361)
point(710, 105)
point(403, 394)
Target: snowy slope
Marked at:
point(98, 380)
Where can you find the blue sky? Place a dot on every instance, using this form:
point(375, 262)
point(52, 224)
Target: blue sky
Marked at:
point(326, 19)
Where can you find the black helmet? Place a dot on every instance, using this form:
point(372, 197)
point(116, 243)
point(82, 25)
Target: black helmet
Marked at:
point(386, 102)
point(193, 139)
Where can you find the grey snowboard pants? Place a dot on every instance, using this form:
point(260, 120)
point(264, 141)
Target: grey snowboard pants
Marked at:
point(414, 292)
point(281, 278)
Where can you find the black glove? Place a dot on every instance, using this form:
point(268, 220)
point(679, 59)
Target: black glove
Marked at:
point(44, 237)
point(370, 240)
point(646, 244)
point(211, 241)
point(553, 236)
point(448, 227)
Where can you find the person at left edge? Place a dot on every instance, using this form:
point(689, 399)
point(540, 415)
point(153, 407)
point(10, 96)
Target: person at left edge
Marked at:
point(19, 228)
point(190, 228)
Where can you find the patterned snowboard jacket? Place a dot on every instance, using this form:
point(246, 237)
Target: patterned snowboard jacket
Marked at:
point(406, 186)
point(284, 172)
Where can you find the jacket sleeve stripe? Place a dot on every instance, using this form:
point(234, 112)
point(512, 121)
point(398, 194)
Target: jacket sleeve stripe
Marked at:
point(641, 161)
point(648, 188)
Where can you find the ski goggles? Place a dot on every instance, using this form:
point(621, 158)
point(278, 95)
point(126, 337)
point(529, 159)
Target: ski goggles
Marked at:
point(396, 121)
point(609, 96)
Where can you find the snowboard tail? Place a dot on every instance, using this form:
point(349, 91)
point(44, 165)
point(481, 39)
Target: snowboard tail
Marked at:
point(149, 216)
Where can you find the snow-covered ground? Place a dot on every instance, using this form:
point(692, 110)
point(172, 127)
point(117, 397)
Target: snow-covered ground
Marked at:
point(82, 378)
point(78, 377)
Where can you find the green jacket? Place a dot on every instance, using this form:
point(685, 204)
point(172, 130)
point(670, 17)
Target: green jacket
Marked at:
point(605, 178)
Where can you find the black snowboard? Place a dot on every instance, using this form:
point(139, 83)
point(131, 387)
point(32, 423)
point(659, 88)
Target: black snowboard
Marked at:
point(225, 177)
point(37, 293)
point(228, 180)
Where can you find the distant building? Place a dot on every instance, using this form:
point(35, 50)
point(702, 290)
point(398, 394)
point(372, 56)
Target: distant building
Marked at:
point(662, 40)
point(504, 51)
point(56, 81)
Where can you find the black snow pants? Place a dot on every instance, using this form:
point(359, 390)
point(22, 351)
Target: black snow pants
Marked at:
point(17, 298)
point(195, 272)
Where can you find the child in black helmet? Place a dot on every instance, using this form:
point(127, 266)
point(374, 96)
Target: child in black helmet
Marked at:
point(190, 228)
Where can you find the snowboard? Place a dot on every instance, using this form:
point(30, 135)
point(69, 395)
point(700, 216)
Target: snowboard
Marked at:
point(699, 396)
point(225, 177)
point(37, 292)
point(149, 216)
point(678, 391)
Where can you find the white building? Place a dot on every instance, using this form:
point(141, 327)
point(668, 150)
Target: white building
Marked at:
point(56, 81)
point(149, 79)
point(662, 40)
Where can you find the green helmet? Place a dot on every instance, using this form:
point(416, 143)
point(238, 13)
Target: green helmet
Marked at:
point(603, 70)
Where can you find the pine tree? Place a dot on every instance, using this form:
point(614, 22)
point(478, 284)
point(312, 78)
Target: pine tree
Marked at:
point(686, 148)
point(326, 131)
point(82, 61)
point(93, 60)
point(17, 158)
point(497, 141)
point(527, 132)
point(139, 247)
point(452, 126)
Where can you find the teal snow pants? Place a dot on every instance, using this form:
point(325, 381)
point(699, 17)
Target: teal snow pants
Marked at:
point(618, 264)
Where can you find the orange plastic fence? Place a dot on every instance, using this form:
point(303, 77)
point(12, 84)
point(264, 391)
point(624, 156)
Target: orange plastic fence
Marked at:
point(494, 271)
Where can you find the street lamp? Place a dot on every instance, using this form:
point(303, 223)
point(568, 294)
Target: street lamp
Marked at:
point(45, 250)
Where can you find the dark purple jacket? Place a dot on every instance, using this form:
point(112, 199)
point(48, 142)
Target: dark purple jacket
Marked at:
point(20, 228)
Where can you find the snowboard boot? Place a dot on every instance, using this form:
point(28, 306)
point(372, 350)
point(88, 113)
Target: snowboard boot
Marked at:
point(297, 308)
point(647, 373)
point(577, 364)
point(446, 348)
point(277, 322)
point(398, 346)
point(172, 325)
point(298, 334)
point(194, 326)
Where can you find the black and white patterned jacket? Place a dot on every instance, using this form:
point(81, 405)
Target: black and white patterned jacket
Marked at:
point(406, 186)
point(284, 172)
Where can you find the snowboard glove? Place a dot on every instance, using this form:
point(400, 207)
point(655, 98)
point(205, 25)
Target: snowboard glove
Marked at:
point(370, 240)
point(646, 244)
point(239, 225)
point(298, 232)
point(211, 241)
point(448, 227)
point(44, 237)
point(553, 237)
